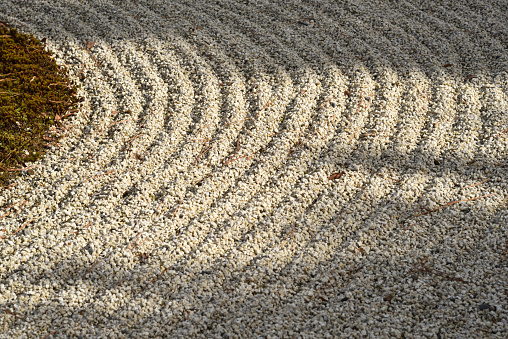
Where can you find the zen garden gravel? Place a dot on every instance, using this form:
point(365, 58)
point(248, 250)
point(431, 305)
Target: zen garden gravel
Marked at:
point(266, 169)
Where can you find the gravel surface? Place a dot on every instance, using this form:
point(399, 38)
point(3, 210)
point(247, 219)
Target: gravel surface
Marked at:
point(266, 169)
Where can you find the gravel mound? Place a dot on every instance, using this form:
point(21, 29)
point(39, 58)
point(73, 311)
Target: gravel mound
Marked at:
point(261, 168)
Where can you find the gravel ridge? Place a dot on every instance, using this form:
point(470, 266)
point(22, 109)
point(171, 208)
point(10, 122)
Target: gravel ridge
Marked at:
point(266, 169)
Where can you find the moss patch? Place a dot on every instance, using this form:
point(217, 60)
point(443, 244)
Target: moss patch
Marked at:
point(35, 97)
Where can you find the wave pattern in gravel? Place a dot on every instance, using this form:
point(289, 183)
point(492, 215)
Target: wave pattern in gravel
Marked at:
point(254, 168)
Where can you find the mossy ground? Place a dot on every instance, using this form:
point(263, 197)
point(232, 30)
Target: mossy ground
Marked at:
point(35, 97)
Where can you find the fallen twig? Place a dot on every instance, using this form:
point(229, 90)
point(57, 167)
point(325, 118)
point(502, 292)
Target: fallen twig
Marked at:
point(15, 315)
point(481, 182)
point(501, 133)
point(422, 267)
point(11, 185)
point(21, 207)
point(117, 122)
point(135, 137)
point(202, 153)
point(91, 268)
point(262, 109)
point(452, 203)
point(98, 175)
point(177, 207)
point(324, 103)
point(12, 205)
point(236, 151)
point(87, 225)
point(23, 226)
point(137, 236)
point(157, 277)
point(289, 234)
point(11, 93)
point(139, 244)
point(243, 156)
point(300, 143)
point(18, 169)
point(47, 335)
point(121, 281)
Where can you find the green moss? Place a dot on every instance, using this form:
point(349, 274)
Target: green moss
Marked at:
point(35, 94)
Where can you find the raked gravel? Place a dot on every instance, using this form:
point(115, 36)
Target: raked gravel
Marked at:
point(266, 169)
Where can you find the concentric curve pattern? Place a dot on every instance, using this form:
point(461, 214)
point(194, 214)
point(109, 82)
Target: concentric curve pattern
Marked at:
point(266, 168)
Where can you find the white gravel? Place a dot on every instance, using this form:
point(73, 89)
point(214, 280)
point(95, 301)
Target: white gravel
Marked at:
point(194, 194)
